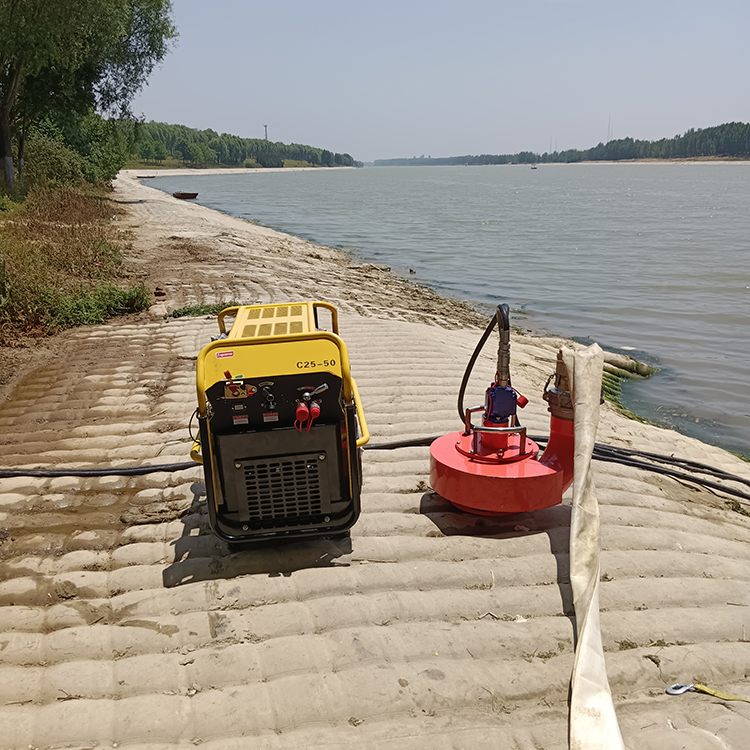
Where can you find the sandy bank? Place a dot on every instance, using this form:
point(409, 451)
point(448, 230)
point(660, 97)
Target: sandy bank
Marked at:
point(122, 620)
point(147, 172)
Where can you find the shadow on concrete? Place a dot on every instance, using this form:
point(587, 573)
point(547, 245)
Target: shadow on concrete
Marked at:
point(554, 522)
point(199, 555)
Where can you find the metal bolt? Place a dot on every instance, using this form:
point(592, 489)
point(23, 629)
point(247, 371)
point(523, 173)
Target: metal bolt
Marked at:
point(322, 457)
point(245, 527)
point(326, 518)
point(237, 465)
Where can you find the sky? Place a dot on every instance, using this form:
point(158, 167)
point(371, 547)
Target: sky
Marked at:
point(383, 78)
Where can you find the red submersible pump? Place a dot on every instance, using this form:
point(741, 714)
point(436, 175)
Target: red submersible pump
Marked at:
point(495, 469)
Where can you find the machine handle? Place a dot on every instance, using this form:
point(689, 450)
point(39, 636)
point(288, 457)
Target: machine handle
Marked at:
point(226, 311)
point(361, 414)
point(334, 314)
point(468, 426)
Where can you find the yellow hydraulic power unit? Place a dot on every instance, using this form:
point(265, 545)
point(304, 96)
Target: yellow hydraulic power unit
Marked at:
point(281, 425)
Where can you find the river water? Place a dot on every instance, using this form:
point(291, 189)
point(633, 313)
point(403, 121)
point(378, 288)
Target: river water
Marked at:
point(649, 259)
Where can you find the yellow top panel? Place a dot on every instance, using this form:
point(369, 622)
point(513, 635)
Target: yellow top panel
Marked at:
point(287, 319)
point(260, 321)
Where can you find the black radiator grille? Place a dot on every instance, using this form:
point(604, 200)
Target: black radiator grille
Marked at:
point(283, 489)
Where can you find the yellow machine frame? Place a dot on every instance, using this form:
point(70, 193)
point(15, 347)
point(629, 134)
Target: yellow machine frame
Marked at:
point(276, 355)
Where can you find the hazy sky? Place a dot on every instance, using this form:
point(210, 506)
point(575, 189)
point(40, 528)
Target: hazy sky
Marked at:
point(386, 79)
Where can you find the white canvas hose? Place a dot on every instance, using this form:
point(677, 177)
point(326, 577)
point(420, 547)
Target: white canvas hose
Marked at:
point(592, 722)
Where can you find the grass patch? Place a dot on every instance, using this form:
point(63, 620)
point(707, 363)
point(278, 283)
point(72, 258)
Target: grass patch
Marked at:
point(106, 301)
point(295, 164)
point(61, 263)
point(197, 310)
point(612, 379)
point(169, 163)
point(6, 204)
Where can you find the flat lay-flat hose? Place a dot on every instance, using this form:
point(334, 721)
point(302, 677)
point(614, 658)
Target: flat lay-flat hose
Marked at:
point(592, 721)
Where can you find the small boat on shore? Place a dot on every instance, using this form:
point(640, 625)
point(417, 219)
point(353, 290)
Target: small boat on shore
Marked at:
point(185, 196)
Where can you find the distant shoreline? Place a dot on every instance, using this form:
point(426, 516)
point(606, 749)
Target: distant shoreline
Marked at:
point(692, 160)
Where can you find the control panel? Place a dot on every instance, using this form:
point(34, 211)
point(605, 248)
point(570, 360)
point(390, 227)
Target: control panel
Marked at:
point(238, 404)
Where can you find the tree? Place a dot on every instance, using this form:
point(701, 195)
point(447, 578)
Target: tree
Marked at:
point(183, 150)
point(146, 150)
point(160, 151)
point(95, 51)
point(202, 154)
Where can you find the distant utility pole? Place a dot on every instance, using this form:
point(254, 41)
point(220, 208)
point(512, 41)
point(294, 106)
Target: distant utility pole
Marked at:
point(266, 127)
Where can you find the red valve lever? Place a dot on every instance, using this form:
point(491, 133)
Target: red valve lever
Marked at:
point(232, 387)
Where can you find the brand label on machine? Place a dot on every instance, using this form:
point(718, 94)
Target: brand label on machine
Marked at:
point(271, 416)
point(224, 355)
point(239, 419)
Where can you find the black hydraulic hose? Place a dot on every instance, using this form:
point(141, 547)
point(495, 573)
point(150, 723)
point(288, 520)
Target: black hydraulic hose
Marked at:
point(413, 443)
point(609, 458)
point(680, 462)
point(470, 367)
point(602, 452)
point(124, 471)
point(613, 454)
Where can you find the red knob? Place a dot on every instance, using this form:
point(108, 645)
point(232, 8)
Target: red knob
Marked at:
point(302, 412)
point(314, 410)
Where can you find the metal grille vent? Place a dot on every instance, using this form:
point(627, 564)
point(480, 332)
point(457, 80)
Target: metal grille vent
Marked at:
point(283, 489)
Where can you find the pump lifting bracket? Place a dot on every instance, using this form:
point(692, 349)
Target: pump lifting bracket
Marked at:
point(281, 425)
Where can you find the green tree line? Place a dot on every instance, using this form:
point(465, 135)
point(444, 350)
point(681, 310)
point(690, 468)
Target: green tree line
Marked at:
point(729, 140)
point(156, 140)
